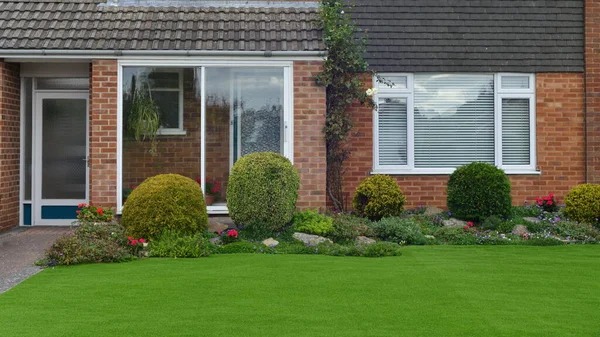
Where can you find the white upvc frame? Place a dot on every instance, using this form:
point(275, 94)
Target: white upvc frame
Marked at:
point(410, 169)
point(202, 64)
point(38, 202)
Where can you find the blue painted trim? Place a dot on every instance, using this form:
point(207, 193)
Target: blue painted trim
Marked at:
point(59, 212)
point(26, 214)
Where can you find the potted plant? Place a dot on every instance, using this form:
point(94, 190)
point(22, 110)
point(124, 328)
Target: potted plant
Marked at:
point(143, 118)
point(212, 188)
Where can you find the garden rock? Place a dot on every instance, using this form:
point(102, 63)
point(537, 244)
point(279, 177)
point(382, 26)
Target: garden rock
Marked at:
point(532, 219)
point(520, 230)
point(454, 223)
point(365, 240)
point(310, 239)
point(430, 237)
point(431, 210)
point(215, 227)
point(270, 242)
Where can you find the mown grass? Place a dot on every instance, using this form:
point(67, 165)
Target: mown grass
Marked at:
point(428, 291)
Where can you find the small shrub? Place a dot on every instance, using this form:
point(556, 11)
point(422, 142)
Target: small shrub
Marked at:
point(377, 197)
point(262, 191)
point(542, 241)
point(575, 230)
point(525, 211)
point(398, 230)
point(582, 203)
point(166, 201)
point(91, 243)
point(312, 222)
point(506, 226)
point(347, 228)
point(175, 245)
point(491, 222)
point(91, 213)
point(538, 227)
point(455, 236)
point(477, 191)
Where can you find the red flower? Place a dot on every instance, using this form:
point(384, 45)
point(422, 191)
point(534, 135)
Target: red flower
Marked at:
point(142, 240)
point(130, 238)
point(82, 205)
point(232, 233)
point(549, 202)
point(198, 180)
point(470, 223)
point(466, 228)
point(77, 211)
point(134, 242)
point(100, 211)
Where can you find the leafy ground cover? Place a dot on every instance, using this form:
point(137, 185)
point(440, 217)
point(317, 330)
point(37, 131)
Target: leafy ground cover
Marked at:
point(428, 291)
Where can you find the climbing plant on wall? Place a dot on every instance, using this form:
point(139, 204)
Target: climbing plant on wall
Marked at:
point(343, 71)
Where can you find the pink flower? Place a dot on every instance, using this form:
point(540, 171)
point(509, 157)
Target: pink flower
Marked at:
point(142, 240)
point(232, 233)
point(82, 205)
point(470, 223)
point(466, 228)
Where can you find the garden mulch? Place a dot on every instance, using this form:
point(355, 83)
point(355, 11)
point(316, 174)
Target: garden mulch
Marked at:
point(20, 248)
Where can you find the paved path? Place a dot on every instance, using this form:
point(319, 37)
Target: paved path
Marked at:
point(20, 248)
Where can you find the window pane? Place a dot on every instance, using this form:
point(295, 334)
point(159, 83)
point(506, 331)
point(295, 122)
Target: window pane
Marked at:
point(515, 82)
point(454, 120)
point(392, 131)
point(63, 83)
point(163, 80)
point(27, 98)
point(515, 131)
point(392, 82)
point(168, 106)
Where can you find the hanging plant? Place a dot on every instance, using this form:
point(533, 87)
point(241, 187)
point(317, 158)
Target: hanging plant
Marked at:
point(143, 120)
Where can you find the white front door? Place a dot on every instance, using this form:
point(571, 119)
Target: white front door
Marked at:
point(60, 147)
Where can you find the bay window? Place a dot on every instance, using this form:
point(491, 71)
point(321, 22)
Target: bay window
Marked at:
point(432, 123)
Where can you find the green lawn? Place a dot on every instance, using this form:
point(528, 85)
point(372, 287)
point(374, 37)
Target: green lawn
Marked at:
point(429, 291)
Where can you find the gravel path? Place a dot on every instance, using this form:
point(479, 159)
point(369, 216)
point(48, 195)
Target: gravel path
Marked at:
point(20, 248)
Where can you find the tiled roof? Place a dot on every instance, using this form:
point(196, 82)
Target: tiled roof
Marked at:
point(473, 35)
point(88, 25)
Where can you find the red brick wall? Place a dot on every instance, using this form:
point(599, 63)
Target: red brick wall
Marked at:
point(560, 148)
point(309, 142)
point(592, 89)
point(10, 117)
point(103, 133)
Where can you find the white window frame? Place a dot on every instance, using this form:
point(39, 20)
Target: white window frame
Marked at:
point(180, 130)
point(385, 92)
point(202, 64)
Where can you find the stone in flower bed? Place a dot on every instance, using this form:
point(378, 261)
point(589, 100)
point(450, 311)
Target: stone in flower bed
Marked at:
point(270, 242)
point(365, 240)
point(452, 222)
point(309, 239)
point(520, 230)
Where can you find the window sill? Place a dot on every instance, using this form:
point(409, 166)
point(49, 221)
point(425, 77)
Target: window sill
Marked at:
point(171, 132)
point(424, 172)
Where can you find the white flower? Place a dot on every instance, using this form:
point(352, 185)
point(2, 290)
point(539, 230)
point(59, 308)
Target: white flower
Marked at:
point(342, 12)
point(371, 92)
point(145, 244)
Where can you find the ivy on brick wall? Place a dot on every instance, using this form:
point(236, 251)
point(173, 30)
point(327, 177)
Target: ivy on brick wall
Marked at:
point(343, 69)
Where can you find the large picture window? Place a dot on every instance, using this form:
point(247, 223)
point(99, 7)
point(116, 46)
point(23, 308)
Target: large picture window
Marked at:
point(433, 123)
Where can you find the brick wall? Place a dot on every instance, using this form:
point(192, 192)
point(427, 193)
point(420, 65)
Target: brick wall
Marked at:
point(10, 116)
point(103, 133)
point(309, 142)
point(560, 148)
point(592, 89)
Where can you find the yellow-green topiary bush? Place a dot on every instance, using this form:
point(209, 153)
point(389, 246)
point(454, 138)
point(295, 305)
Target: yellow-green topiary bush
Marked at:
point(165, 201)
point(377, 197)
point(262, 191)
point(582, 203)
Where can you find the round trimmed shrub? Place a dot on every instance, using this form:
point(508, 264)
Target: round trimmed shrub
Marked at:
point(377, 197)
point(165, 201)
point(262, 191)
point(582, 203)
point(477, 191)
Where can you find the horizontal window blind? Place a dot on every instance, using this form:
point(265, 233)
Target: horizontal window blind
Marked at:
point(392, 126)
point(453, 119)
point(515, 82)
point(515, 131)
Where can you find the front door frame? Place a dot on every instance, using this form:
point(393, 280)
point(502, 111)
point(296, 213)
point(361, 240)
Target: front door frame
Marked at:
point(37, 202)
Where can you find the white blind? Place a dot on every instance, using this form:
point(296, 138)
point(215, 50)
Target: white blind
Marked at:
point(454, 119)
point(515, 82)
point(392, 130)
point(515, 131)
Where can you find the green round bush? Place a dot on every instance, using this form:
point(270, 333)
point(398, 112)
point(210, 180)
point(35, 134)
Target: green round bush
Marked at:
point(165, 201)
point(582, 203)
point(477, 191)
point(377, 197)
point(262, 191)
